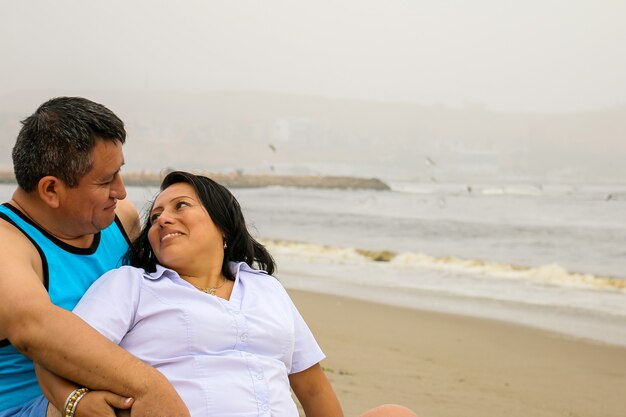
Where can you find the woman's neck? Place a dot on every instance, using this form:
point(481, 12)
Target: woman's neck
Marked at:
point(203, 278)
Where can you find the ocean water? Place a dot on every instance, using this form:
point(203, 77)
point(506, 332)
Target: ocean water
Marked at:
point(541, 255)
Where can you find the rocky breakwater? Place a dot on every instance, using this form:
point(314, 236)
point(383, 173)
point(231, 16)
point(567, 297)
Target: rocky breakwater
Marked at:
point(255, 181)
point(234, 180)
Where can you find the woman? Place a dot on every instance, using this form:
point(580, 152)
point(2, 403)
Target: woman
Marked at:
point(227, 336)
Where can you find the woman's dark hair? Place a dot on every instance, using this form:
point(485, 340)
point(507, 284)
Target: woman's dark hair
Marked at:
point(225, 212)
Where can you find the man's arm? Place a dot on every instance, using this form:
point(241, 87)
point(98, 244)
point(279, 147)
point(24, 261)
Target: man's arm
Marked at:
point(66, 345)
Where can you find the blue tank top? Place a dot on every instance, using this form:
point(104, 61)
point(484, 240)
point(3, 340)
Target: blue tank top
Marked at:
point(67, 273)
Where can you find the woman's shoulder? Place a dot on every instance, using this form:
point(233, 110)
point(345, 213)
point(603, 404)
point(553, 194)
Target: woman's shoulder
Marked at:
point(247, 273)
point(125, 271)
point(124, 276)
point(243, 268)
point(117, 283)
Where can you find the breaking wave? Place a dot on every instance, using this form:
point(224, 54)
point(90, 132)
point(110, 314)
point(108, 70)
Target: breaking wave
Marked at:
point(552, 274)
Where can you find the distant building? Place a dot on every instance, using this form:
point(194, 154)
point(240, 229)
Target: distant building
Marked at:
point(291, 130)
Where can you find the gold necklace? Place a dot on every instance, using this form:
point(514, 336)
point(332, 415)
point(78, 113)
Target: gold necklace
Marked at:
point(211, 290)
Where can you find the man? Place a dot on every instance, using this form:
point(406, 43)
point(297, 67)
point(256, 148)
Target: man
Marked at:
point(65, 225)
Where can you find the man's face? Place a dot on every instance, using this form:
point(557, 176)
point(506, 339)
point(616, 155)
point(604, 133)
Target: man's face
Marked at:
point(90, 206)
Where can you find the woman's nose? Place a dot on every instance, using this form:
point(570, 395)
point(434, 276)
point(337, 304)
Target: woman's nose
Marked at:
point(165, 218)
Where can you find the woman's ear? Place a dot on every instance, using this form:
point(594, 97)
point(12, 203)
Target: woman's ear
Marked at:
point(50, 189)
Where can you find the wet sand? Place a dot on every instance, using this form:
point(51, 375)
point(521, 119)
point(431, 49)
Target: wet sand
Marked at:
point(452, 366)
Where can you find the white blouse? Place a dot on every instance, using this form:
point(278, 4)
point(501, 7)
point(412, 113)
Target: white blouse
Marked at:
point(225, 358)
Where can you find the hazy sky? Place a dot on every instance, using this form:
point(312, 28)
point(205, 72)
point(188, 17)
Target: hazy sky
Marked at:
point(533, 55)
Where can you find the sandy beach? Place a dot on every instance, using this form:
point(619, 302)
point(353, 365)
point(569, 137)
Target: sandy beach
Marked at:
point(451, 366)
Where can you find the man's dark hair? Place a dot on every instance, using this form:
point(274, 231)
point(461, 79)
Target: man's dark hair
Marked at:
point(58, 140)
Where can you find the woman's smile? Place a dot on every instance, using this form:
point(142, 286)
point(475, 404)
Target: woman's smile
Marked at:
point(170, 235)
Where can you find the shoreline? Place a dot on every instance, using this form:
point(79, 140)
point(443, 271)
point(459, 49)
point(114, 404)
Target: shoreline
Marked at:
point(447, 365)
point(569, 321)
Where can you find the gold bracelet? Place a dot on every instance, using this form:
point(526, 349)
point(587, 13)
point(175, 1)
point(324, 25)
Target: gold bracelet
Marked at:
point(72, 400)
point(80, 397)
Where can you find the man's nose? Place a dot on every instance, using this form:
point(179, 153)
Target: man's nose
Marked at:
point(118, 190)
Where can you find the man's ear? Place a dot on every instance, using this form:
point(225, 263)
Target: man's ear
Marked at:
point(50, 190)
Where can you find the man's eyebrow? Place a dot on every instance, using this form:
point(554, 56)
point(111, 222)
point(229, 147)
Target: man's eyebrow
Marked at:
point(117, 171)
point(109, 176)
point(114, 173)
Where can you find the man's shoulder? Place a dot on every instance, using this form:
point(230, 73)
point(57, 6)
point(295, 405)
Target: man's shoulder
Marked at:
point(11, 235)
point(19, 256)
point(127, 213)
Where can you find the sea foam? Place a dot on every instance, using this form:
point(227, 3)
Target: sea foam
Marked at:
point(551, 274)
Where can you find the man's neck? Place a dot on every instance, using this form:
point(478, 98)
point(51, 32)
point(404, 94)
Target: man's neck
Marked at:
point(44, 217)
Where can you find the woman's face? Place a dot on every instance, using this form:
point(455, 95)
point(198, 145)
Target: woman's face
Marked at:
point(182, 234)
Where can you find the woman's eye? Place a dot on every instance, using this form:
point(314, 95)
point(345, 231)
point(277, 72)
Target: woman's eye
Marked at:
point(154, 217)
point(181, 204)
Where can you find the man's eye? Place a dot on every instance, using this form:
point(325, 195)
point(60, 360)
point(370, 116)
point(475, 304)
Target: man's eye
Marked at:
point(110, 181)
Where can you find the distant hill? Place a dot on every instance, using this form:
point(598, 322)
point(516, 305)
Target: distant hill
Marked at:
point(271, 133)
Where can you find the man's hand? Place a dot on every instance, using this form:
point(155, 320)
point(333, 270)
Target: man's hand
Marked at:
point(160, 400)
point(97, 403)
point(101, 404)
